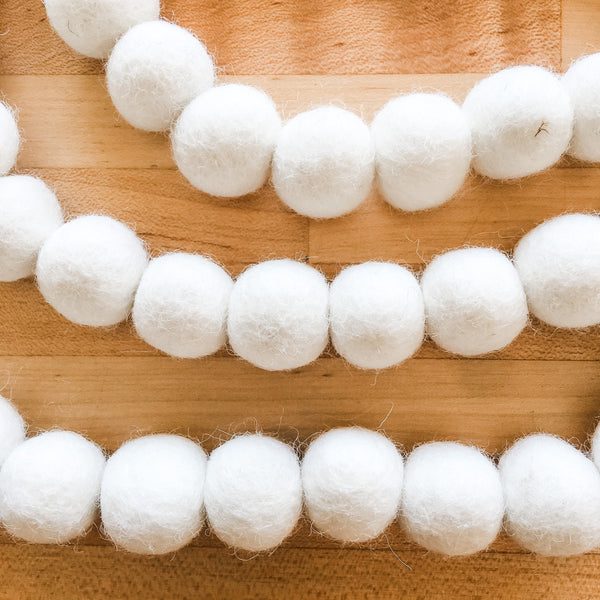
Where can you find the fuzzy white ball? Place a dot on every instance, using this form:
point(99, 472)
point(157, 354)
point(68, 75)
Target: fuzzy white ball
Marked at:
point(278, 315)
point(452, 501)
point(352, 480)
point(29, 213)
point(9, 139)
point(552, 494)
point(422, 150)
point(323, 165)
point(474, 301)
point(595, 449)
point(224, 140)
point(559, 265)
point(521, 121)
point(377, 315)
point(180, 306)
point(152, 497)
point(92, 27)
point(582, 82)
point(49, 487)
point(12, 429)
point(154, 71)
point(253, 492)
point(89, 269)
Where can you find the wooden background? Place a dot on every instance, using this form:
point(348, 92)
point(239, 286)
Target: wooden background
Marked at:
point(111, 386)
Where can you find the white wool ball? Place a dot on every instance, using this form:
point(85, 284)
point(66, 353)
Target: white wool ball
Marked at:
point(474, 301)
point(253, 492)
point(152, 494)
point(49, 487)
point(223, 141)
point(154, 71)
point(278, 315)
point(552, 494)
point(452, 501)
point(595, 449)
point(180, 306)
point(559, 265)
point(12, 429)
point(29, 213)
point(521, 121)
point(89, 269)
point(92, 27)
point(582, 82)
point(422, 150)
point(352, 480)
point(9, 139)
point(376, 313)
point(323, 164)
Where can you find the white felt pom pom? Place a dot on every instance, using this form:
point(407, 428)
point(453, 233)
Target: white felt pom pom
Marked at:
point(12, 429)
point(352, 480)
point(223, 141)
point(377, 316)
point(89, 269)
point(595, 449)
point(29, 213)
point(422, 150)
point(323, 164)
point(278, 315)
point(152, 494)
point(474, 301)
point(253, 492)
point(452, 501)
point(49, 487)
point(181, 304)
point(559, 265)
point(552, 494)
point(92, 27)
point(9, 139)
point(582, 82)
point(521, 121)
point(154, 71)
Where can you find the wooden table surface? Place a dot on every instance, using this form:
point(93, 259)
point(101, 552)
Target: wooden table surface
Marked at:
point(111, 386)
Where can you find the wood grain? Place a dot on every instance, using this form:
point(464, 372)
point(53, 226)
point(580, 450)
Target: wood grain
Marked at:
point(111, 386)
point(322, 36)
point(580, 30)
point(486, 402)
point(294, 573)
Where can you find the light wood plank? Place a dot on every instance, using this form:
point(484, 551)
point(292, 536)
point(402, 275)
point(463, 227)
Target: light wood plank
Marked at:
point(324, 36)
point(486, 213)
point(61, 572)
point(171, 215)
point(68, 121)
point(484, 402)
point(580, 29)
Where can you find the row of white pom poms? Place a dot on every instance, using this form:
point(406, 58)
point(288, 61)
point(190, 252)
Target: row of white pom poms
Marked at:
point(155, 491)
point(280, 314)
point(225, 139)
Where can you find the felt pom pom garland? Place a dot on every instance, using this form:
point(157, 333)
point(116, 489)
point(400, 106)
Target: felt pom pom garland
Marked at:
point(513, 123)
point(281, 314)
point(156, 492)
